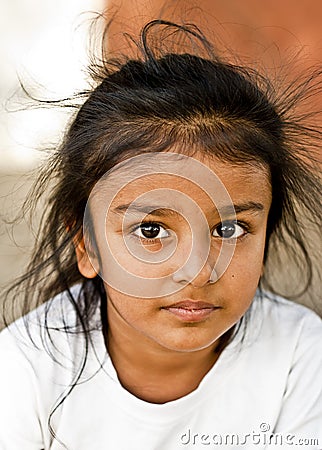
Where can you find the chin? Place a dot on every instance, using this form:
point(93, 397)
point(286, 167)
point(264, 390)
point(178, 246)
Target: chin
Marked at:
point(188, 343)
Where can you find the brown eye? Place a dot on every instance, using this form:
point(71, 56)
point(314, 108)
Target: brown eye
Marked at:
point(229, 230)
point(151, 231)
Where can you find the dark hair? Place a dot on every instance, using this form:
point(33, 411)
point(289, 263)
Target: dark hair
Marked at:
point(150, 104)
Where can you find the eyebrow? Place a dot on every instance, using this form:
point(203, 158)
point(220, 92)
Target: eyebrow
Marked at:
point(146, 209)
point(242, 207)
point(251, 207)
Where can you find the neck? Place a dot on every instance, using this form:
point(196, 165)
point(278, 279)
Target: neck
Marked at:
point(154, 373)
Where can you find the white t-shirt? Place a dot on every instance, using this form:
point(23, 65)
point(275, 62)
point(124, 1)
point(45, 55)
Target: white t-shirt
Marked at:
point(262, 391)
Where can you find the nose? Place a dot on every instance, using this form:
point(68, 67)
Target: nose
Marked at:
point(197, 271)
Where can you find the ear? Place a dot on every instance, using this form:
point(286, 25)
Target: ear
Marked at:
point(87, 263)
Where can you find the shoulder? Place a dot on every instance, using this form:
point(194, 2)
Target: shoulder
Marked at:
point(293, 337)
point(41, 356)
point(30, 329)
point(287, 316)
point(290, 331)
point(49, 334)
point(30, 379)
point(276, 332)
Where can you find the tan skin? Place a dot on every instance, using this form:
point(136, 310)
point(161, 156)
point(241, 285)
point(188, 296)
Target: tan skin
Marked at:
point(159, 357)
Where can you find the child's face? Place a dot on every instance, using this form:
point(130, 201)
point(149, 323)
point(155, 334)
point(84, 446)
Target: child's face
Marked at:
point(177, 273)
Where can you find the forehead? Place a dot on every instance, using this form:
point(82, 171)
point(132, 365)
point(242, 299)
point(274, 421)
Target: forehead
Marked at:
point(201, 178)
point(197, 176)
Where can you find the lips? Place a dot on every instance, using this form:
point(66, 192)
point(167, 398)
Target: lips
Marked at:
point(190, 305)
point(191, 311)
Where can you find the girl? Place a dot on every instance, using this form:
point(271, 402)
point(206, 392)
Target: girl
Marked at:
point(178, 181)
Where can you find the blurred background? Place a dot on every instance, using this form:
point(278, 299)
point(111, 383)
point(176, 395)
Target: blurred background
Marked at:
point(44, 44)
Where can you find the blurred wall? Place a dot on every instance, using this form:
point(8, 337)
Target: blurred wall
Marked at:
point(42, 43)
point(274, 35)
point(247, 24)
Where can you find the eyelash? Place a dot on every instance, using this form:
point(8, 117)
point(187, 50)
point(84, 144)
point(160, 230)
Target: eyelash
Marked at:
point(146, 224)
point(244, 226)
point(245, 229)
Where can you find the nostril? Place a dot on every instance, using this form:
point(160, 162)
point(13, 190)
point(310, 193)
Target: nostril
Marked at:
point(213, 276)
point(196, 276)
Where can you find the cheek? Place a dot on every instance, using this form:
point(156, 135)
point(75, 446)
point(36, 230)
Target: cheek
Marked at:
point(242, 276)
point(145, 275)
point(246, 270)
point(147, 261)
point(247, 265)
point(136, 313)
